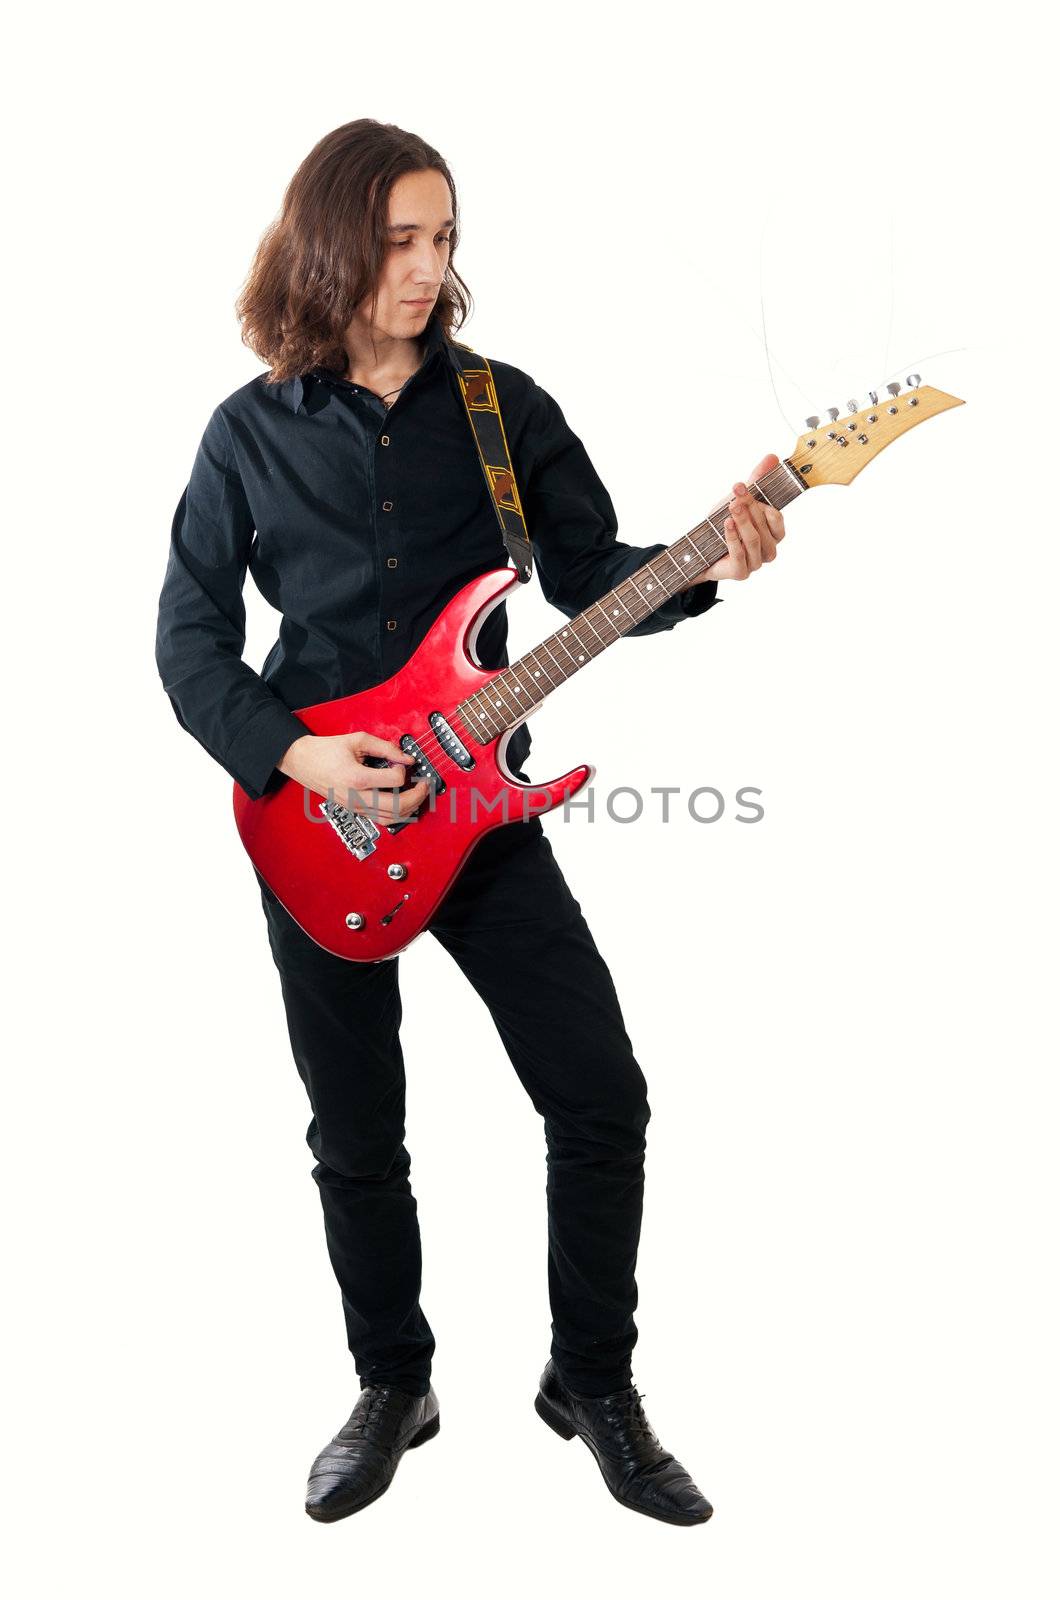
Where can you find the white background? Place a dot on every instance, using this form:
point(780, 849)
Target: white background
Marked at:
point(847, 1330)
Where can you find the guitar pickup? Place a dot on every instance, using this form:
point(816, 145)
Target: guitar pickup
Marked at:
point(454, 747)
point(421, 769)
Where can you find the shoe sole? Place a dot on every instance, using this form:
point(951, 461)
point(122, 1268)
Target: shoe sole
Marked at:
point(567, 1430)
point(428, 1431)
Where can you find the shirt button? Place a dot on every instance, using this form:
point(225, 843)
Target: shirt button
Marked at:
point(385, 439)
point(388, 505)
point(391, 626)
point(391, 561)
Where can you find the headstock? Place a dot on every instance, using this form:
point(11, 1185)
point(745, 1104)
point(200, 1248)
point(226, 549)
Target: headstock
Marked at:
point(835, 451)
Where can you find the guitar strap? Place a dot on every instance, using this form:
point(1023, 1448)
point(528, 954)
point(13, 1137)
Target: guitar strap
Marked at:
point(484, 414)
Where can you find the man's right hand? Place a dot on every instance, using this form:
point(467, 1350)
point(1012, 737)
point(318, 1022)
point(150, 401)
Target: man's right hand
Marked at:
point(336, 762)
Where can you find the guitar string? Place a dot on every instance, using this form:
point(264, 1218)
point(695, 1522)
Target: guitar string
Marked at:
point(429, 743)
point(509, 689)
point(765, 336)
point(890, 313)
point(769, 486)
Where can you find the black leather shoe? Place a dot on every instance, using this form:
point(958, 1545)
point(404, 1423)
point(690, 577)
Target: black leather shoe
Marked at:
point(637, 1470)
point(359, 1463)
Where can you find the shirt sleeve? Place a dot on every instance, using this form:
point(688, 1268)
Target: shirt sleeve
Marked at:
point(201, 631)
point(573, 526)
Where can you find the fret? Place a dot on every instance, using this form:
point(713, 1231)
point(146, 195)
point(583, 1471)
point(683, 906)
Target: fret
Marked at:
point(664, 581)
point(600, 641)
point(609, 612)
point(578, 656)
point(499, 686)
point(596, 608)
point(626, 609)
point(541, 668)
point(517, 689)
point(532, 690)
point(558, 665)
point(578, 638)
point(579, 626)
point(559, 640)
point(487, 713)
point(793, 477)
point(480, 715)
point(640, 596)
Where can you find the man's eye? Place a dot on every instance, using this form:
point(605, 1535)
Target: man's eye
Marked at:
point(401, 243)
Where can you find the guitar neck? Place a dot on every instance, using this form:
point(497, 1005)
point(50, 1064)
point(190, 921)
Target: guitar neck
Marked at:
point(512, 694)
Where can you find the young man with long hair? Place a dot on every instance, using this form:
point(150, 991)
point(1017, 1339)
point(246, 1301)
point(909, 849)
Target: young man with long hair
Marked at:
point(346, 481)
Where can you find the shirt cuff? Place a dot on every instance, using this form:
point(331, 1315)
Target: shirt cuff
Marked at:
point(699, 597)
point(252, 756)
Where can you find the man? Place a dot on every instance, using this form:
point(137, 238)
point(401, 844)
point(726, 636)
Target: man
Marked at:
point(347, 482)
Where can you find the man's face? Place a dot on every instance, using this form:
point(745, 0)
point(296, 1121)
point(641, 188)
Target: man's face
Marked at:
point(421, 219)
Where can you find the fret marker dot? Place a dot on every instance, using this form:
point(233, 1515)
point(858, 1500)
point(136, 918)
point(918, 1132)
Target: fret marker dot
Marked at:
point(496, 702)
point(688, 558)
point(518, 690)
point(614, 611)
point(482, 716)
point(649, 586)
point(565, 631)
point(537, 674)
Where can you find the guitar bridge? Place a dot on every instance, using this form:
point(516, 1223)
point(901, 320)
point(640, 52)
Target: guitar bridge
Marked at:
point(357, 832)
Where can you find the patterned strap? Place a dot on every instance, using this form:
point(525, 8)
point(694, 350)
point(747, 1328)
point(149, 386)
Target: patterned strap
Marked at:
point(484, 413)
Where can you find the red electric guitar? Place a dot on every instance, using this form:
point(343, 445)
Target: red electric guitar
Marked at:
point(364, 884)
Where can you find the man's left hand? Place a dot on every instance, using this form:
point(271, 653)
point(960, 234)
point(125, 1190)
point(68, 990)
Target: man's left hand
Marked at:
point(752, 530)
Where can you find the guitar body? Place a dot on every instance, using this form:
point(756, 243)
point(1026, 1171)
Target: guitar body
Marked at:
point(366, 898)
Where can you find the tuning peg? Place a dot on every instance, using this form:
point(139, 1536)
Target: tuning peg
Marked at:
point(873, 398)
point(852, 405)
point(813, 422)
point(894, 390)
point(913, 380)
point(833, 414)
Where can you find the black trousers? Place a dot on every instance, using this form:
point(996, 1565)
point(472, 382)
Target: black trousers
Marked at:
point(518, 935)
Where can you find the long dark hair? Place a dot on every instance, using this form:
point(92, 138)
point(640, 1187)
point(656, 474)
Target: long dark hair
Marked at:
point(324, 252)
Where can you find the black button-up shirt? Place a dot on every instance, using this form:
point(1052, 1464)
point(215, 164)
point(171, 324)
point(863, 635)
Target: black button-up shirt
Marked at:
point(359, 524)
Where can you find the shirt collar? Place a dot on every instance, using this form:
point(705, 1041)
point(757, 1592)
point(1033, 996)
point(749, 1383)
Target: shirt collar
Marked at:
point(435, 342)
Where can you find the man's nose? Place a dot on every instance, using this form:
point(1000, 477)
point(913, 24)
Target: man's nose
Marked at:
point(425, 272)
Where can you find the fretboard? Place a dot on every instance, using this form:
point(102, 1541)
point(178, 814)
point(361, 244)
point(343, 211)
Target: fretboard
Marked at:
point(510, 696)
